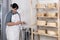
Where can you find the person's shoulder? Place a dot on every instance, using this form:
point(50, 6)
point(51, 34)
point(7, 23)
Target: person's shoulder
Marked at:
point(9, 13)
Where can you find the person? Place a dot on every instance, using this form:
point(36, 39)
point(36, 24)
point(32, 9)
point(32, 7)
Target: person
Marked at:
point(13, 23)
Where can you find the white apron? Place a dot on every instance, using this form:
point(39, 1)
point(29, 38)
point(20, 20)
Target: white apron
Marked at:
point(12, 32)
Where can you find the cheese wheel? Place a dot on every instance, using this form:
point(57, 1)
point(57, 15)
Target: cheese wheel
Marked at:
point(51, 24)
point(41, 31)
point(50, 5)
point(40, 14)
point(38, 5)
point(52, 33)
point(41, 23)
point(51, 14)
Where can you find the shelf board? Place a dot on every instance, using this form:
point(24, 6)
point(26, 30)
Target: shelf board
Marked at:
point(39, 8)
point(48, 17)
point(47, 8)
point(36, 33)
point(48, 26)
point(52, 8)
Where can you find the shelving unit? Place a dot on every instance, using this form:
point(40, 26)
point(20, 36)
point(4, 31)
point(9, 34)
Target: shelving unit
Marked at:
point(51, 17)
point(48, 26)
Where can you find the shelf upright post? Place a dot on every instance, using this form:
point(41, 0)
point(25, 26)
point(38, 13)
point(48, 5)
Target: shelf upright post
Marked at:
point(31, 20)
point(58, 6)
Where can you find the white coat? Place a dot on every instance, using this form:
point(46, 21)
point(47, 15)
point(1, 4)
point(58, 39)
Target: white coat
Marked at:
point(12, 32)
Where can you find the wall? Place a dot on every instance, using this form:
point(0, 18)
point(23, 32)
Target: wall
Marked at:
point(5, 9)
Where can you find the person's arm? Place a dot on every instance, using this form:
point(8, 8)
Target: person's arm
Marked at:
point(14, 23)
point(11, 23)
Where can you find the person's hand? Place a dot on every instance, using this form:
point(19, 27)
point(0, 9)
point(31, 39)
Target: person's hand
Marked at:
point(18, 22)
point(23, 23)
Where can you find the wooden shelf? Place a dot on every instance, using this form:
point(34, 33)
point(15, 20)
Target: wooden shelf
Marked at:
point(39, 8)
point(48, 17)
point(47, 8)
point(48, 26)
point(52, 9)
point(36, 33)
